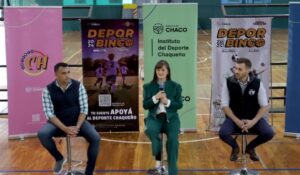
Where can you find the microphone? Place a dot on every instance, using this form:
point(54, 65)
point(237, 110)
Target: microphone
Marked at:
point(161, 86)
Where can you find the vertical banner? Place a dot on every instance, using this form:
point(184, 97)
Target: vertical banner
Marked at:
point(33, 46)
point(170, 33)
point(293, 75)
point(110, 73)
point(234, 38)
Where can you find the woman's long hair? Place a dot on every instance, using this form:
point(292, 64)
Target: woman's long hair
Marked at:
point(159, 65)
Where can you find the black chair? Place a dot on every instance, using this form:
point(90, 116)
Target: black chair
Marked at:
point(244, 161)
point(71, 164)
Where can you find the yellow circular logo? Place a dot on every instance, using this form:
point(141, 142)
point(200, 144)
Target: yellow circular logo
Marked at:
point(34, 62)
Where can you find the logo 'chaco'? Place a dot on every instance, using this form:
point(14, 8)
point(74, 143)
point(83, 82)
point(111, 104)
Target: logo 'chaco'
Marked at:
point(158, 28)
point(34, 62)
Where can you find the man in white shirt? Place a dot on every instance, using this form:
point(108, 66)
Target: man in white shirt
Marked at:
point(244, 102)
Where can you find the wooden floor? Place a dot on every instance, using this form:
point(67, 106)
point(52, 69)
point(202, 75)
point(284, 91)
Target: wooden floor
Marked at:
point(129, 153)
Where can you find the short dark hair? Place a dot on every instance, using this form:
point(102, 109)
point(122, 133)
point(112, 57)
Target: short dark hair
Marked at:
point(159, 65)
point(246, 61)
point(58, 65)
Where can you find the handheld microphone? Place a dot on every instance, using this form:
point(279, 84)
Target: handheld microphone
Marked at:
point(161, 86)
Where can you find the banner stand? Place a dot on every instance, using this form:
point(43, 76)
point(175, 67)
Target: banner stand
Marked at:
point(30, 64)
point(174, 38)
point(292, 118)
point(110, 73)
point(234, 38)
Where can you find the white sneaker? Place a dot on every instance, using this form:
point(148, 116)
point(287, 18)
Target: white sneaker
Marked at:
point(157, 171)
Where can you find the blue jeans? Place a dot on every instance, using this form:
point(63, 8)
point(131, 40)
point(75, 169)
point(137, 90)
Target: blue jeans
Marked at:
point(261, 128)
point(87, 131)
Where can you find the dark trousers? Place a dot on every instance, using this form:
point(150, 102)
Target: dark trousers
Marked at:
point(87, 131)
point(261, 128)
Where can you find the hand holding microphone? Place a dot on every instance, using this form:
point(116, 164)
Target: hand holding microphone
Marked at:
point(161, 93)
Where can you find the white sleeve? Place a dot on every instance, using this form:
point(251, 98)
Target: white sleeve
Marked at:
point(168, 104)
point(155, 101)
point(224, 95)
point(262, 96)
